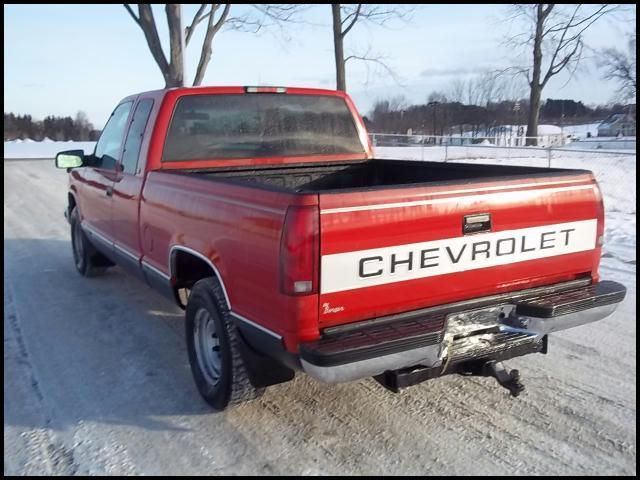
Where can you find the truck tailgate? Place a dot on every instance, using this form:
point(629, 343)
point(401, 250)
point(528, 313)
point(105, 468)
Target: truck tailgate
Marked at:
point(391, 250)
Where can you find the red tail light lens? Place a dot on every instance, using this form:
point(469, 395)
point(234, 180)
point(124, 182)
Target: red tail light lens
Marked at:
point(299, 251)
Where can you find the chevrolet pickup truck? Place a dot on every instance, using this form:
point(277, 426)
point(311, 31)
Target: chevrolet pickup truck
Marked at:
point(264, 214)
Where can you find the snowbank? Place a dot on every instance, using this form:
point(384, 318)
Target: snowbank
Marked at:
point(45, 149)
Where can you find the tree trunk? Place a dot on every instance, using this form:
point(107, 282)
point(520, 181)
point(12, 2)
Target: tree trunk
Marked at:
point(536, 86)
point(176, 62)
point(341, 83)
point(148, 26)
point(534, 111)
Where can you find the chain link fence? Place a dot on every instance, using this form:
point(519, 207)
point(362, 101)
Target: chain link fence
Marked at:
point(614, 167)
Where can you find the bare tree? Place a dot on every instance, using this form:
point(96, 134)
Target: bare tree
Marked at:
point(217, 16)
point(555, 35)
point(456, 90)
point(489, 86)
point(620, 67)
point(437, 97)
point(486, 88)
point(398, 103)
point(495, 87)
point(474, 91)
point(345, 17)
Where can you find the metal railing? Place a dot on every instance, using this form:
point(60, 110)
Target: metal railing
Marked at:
point(455, 147)
point(614, 169)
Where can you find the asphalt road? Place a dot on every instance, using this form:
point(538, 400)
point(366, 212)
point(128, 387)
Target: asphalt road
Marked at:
point(97, 381)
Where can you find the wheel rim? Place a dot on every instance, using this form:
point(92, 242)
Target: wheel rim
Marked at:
point(207, 343)
point(78, 247)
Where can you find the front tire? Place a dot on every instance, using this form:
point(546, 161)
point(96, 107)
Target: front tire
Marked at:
point(212, 343)
point(88, 261)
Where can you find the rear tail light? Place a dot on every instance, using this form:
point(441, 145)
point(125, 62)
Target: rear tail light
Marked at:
point(599, 208)
point(299, 251)
point(595, 275)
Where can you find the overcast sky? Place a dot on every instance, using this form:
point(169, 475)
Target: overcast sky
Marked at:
point(59, 59)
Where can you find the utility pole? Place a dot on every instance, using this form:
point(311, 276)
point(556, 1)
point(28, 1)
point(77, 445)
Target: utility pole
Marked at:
point(435, 113)
point(516, 110)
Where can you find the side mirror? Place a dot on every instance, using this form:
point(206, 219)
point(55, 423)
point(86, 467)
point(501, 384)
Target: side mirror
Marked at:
point(70, 159)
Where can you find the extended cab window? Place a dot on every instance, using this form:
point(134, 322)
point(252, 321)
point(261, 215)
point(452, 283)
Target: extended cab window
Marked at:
point(260, 125)
point(108, 146)
point(134, 137)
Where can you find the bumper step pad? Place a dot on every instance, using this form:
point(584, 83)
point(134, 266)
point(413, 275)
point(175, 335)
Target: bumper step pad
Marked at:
point(375, 341)
point(563, 303)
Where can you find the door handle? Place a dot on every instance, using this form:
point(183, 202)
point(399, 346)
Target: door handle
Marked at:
point(109, 191)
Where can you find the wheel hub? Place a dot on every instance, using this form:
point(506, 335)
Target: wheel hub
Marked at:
point(207, 344)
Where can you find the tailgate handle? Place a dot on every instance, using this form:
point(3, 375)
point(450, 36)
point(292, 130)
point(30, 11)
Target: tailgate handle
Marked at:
point(476, 223)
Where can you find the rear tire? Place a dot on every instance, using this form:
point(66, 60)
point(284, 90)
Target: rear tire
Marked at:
point(212, 343)
point(89, 262)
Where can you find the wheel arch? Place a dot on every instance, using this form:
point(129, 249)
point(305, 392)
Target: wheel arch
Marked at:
point(187, 266)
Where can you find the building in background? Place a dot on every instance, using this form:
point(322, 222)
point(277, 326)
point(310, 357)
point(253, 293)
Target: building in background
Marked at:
point(619, 124)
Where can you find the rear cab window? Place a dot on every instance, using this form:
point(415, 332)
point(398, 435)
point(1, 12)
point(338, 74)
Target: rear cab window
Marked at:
point(237, 126)
point(135, 136)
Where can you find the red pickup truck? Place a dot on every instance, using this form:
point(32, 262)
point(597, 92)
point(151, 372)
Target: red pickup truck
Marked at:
point(263, 212)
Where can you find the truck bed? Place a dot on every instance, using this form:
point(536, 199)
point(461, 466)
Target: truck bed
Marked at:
point(372, 173)
point(397, 236)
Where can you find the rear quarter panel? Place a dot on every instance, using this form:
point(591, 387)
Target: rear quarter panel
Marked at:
point(239, 230)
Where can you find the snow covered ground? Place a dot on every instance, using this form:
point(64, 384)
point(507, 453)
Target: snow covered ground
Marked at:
point(107, 389)
point(604, 143)
point(97, 382)
point(45, 149)
point(581, 131)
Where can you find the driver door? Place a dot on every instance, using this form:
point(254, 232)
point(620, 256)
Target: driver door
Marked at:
point(98, 176)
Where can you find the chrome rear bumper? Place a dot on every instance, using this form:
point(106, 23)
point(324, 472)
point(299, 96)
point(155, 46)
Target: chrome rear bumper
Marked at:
point(433, 339)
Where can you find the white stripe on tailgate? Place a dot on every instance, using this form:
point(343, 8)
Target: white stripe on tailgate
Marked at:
point(379, 266)
point(513, 195)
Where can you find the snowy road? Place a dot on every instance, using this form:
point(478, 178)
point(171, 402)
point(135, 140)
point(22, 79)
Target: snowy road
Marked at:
point(96, 381)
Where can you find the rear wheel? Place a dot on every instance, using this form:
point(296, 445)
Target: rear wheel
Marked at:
point(212, 343)
point(89, 262)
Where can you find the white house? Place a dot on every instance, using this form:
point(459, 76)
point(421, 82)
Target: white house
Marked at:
point(618, 124)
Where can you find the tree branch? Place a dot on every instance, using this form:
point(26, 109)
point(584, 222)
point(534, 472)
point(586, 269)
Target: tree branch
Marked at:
point(212, 29)
point(133, 15)
point(353, 22)
point(559, 47)
point(377, 60)
point(196, 19)
point(147, 24)
point(221, 20)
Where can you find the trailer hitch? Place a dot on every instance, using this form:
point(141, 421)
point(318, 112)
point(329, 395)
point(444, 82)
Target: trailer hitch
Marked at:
point(509, 379)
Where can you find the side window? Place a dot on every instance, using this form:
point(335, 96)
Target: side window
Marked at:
point(134, 138)
point(108, 146)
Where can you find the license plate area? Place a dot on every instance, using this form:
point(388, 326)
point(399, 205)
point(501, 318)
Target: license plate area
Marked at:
point(474, 322)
